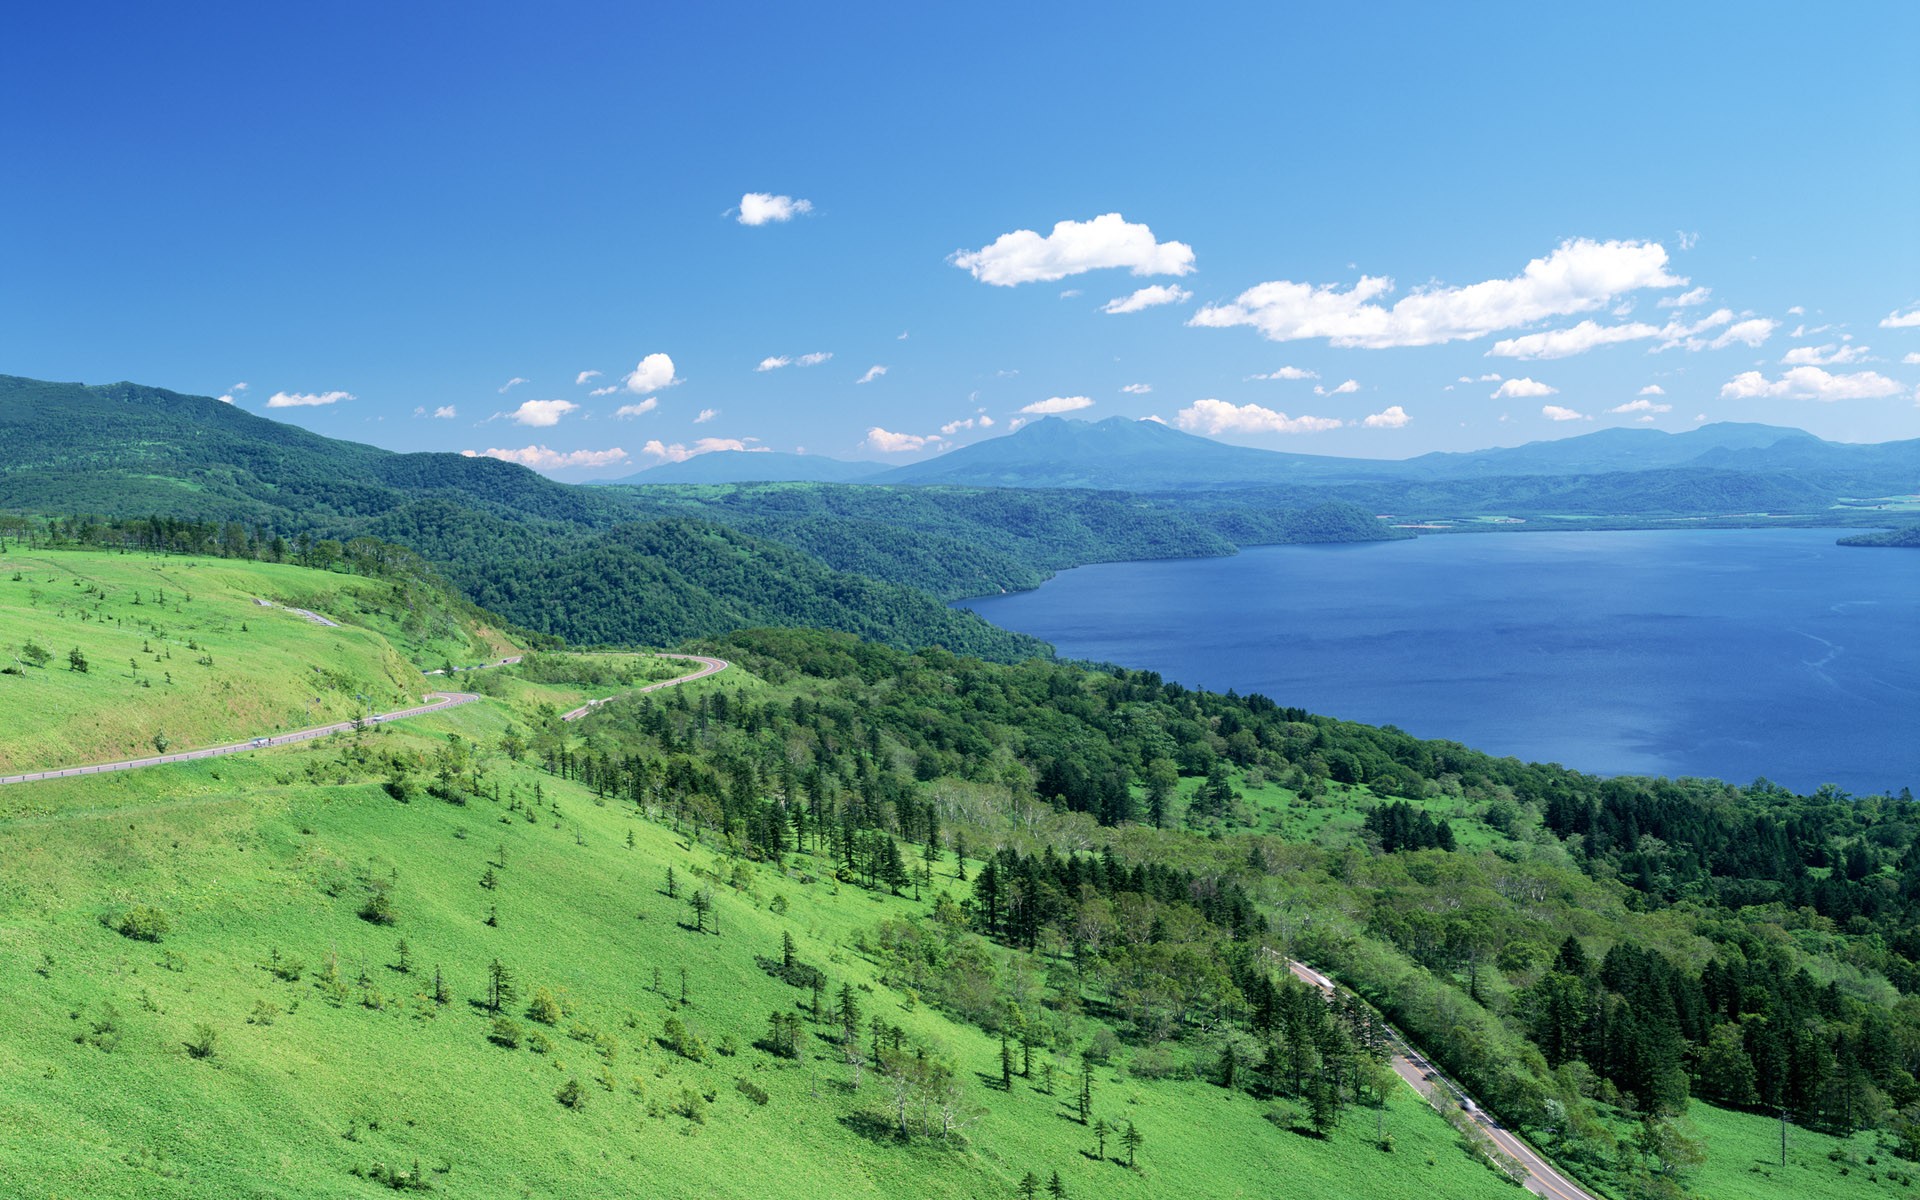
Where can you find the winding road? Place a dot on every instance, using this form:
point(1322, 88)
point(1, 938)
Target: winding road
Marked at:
point(1430, 1082)
point(437, 701)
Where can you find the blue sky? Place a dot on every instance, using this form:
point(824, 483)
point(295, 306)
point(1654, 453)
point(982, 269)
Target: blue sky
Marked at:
point(378, 216)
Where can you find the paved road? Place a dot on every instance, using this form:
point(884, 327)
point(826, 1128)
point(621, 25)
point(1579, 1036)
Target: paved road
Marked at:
point(439, 700)
point(1430, 1082)
point(708, 666)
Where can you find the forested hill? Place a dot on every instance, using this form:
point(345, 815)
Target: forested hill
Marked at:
point(958, 542)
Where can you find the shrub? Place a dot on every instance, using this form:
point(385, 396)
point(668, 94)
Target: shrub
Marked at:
point(506, 1032)
point(543, 1007)
point(751, 1090)
point(377, 908)
point(571, 1095)
point(103, 1034)
point(201, 1044)
point(675, 1036)
point(143, 923)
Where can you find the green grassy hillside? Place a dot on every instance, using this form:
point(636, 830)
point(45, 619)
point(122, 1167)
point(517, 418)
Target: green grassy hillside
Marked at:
point(326, 1067)
point(180, 652)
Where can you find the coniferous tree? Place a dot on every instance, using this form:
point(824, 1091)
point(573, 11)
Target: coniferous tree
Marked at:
point(500, 986)
point(1131, 1139)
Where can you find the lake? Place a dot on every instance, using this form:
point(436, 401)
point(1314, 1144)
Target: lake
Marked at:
point(1726, 653)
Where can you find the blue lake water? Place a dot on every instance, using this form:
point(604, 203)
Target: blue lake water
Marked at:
point(1725, 653)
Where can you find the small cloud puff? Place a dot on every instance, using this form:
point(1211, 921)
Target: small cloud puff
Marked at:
point(1810, 383)
point(637, 410)
point(1653, 389)
point(445, 412)
point(1073, 247)
point(1896, 319)
point(515, 382)
point(654, 372)
point(1344, 389)
point(1553, 412)
point(583, 376)
point(1288, 373)
point(888, 442)
point(760, 208)
point(1057, 404)
point(677, 452)
point(1393, 418)
point(1148, 297)
point(1522, 388)
point(1137, 389)
point(1217, 416)
point(542, 459)
point(542, 413)
point(1641, 406)
point(706, 414)
point(874, 372)
point(306, 399)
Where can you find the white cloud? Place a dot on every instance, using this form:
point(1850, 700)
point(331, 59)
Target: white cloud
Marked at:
point(1344, 389)
point(1912, 360)
point(637, 410)
point(1155, 418)
point(1218, 416)
point(1553, 412)
point(1829, 355)
point(1653, 389)
point(1070, 293)
point(583, 376)
point(706, 414)
point(676, 452)
point(306, 399)
point(1641, 406)
point(515, 382)
point(226, 399)
point(1393, 418)
point(1698, 295)
point(1564, 343)
point(1750, 332)
point(654, 372)
point(1896, 319)
point(775, 362)
point(542, 412)
point(1522, 388)
point(1057, 404)
point(542, 459)
point(873, 372)
point(242, 386)
point(1148, 297)
point(1023, 256)
point(609, 390)
point(1686, 240)
point(978, 420)
point(902, 335)
point(1810, 383)
point(758, 208)
point(1289, 373)
point(887, 442)
point(446, 412)
point(1580, 275)
point(1137, 389)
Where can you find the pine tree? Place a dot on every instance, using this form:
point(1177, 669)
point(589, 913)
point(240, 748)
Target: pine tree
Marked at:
point(673, 885)
point(1101, 1130)
point(500, 987)
point(1006, 1062)
point(1131, 1139)
point(442, 994)
point(1029, 1187)
point(1086, 1090)
point(1056, 1188)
